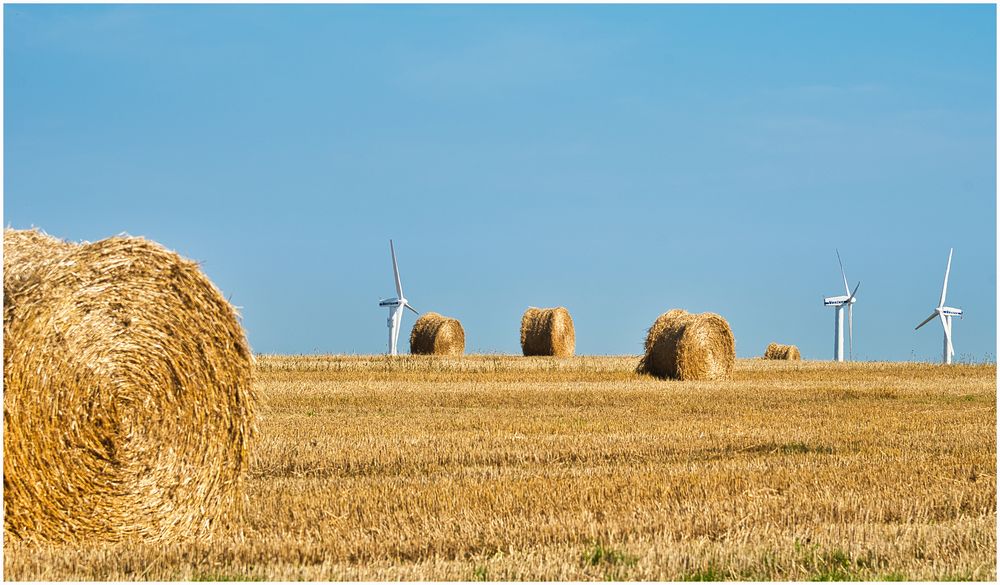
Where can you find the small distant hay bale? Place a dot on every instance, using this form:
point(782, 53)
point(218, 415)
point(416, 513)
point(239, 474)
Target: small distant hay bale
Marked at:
point(128, 407)
point(777, 351)
point(547, 332)
point(435, 334)
point(687, 346)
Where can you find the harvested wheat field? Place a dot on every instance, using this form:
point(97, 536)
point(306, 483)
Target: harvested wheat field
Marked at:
point(512, 468)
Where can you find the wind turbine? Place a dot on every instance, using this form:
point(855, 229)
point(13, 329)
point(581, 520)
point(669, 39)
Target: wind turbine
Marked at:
point(945, 313)
point(395, 305)
point(839, 302)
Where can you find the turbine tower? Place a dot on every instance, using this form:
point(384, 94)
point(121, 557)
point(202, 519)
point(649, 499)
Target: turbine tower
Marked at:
point(945, 313)
point(395, 305)
point(839, 302)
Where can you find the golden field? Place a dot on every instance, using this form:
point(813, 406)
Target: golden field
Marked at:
point(512, 468)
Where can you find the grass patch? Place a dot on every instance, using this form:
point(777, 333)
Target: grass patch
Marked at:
point(479, 573)
point(832, 565)
point(600, 554)
point(834, 575)
point(837, 565)
point(709, 573)
point(614, 562)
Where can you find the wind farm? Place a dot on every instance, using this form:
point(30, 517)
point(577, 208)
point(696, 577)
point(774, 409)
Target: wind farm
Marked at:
point(551, 465)
point(840, 303)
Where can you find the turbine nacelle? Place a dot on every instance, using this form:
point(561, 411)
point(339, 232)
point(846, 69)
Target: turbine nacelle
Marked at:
point(391, 302)
point(839, 301)
point(941, 312)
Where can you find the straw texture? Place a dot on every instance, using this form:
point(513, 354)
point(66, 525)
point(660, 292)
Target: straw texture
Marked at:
point(25, 252)
point(777, 351)
point(547, 332)
point(435, 334)
point(687, 346)
point(128, 406)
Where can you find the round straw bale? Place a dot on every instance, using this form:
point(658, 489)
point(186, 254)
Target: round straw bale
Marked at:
point(547, 332)
point(777, 351)
point(127, 399)
point(435, 334)
point(689, 346)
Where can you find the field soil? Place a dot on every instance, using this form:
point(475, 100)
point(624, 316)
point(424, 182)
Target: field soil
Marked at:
point(512, 468)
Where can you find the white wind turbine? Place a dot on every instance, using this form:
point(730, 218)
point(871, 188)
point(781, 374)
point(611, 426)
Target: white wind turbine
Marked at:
point(945, 313)
point(839, 302)
point(395, 305)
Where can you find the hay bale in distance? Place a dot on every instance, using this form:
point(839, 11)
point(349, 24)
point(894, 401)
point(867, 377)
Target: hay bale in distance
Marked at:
point(435, 334)
point(689, 346)
point(128, 407)
point(547, 332)
point(777, 351)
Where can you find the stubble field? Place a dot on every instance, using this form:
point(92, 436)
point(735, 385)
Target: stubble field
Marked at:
point(511, 468)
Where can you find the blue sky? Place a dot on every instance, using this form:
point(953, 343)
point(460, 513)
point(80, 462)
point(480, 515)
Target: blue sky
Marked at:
point(617, 160)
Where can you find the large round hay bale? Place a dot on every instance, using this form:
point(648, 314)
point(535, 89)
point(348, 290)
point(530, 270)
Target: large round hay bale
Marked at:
point(777, 351)
point(127, 399)
point(687, 346)
point(547, 332)
point(435, 334)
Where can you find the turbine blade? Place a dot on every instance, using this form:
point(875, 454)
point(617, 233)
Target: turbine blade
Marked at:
point(926, 321)
point(395, 272)
point(412, 309)
point(855, 292)
point(850, 328)
point(947, 334)
point(847, 288)
point(944, 289)
point(397, 317)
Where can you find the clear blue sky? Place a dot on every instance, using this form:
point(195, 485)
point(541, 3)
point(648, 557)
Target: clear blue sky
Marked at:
point(618, 160)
